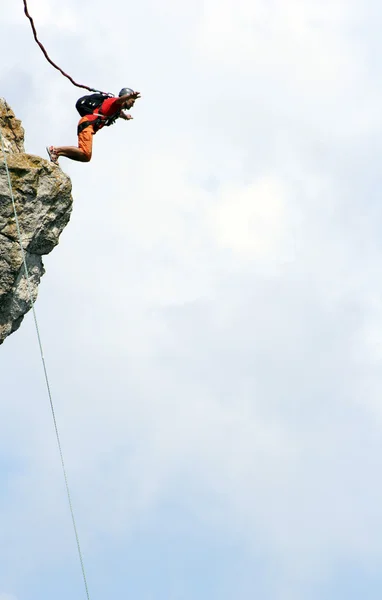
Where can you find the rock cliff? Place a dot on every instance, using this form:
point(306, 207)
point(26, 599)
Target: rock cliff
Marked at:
point(42, 195)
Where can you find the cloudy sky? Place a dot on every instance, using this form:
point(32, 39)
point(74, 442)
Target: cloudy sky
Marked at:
point(212, 316)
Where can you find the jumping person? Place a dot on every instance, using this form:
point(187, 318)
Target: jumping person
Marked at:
point(105, 114)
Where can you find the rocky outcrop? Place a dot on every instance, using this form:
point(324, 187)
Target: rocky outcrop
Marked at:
point(43, 201)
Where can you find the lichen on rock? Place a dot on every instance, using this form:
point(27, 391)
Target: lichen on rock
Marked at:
point(42, 196)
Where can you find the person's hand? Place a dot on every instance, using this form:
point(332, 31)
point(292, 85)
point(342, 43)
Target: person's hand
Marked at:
point(135, 95)
point(128, 117)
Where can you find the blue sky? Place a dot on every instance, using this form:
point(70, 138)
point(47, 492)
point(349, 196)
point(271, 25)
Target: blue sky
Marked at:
point(211, 317)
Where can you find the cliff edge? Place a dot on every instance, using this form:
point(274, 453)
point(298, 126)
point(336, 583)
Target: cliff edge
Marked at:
point(43, 200)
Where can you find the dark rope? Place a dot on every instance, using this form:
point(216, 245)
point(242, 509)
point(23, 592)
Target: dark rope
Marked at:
point(46, 54)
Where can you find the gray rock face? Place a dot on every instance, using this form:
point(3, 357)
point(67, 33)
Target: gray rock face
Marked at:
point(42, 196)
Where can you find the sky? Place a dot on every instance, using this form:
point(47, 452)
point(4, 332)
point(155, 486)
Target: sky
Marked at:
point(211, 319)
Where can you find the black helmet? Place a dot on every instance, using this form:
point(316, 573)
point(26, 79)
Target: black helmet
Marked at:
point(125, 92)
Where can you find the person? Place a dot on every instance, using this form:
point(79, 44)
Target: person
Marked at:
point(112, 108)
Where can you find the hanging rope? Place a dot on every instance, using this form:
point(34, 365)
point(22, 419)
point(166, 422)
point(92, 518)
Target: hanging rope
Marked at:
point(44, 367)
point(80, 85)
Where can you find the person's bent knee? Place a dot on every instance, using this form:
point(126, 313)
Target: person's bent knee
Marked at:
point(84, 155)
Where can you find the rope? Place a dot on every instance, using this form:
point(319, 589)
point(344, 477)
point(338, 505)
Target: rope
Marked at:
point(45, 370)
point(46, 54)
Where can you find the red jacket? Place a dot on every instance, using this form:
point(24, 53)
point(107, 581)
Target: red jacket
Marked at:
point(108, 108)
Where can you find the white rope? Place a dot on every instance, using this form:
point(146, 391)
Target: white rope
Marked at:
point(44, 367)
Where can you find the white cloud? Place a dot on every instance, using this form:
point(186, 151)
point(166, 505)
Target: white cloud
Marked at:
point(251, 221)
point(186, 368)
point(302, 39)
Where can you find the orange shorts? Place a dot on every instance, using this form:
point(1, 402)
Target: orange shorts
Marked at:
point(85, 139)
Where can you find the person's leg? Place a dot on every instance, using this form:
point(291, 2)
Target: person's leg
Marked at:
point(72, 152)
point(85, 146)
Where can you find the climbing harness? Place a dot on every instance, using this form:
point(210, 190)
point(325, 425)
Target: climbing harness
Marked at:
point(87, 105)
point(98, 123)
point(44, 366)
point(47, 56)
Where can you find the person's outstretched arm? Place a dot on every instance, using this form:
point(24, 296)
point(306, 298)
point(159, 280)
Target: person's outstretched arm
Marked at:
point(125, 116)
point(122, 99)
